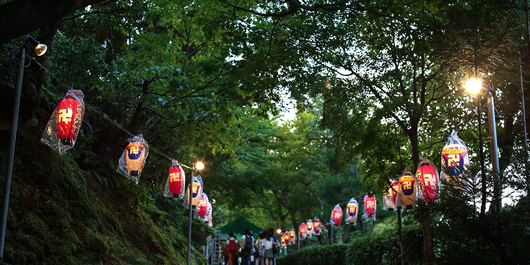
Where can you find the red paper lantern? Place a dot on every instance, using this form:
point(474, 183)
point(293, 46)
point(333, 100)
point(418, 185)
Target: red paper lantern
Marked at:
point(176, 180)
point(369, 205)
point(203, 205)
point(292, 234)
point(135, 158)
point(302, 231)
point(396, 189)
point(316, 225)
point(428, 180)
point(69, 119)
point(336, 215)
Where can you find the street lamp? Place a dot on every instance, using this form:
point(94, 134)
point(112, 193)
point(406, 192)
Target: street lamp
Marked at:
point(198, 166)
point(40, 49)
point(474, 86)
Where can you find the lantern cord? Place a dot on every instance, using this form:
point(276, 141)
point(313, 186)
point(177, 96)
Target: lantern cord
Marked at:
point(105, 116)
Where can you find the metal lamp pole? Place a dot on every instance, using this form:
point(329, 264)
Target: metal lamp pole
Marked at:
point(190, 192)
point(12, 151)
point(493, 148)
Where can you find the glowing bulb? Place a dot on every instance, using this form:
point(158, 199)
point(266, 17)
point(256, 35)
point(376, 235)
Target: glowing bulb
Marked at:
point(40, 49)
point(199, 165)
point(473, 85)
point(279, 231)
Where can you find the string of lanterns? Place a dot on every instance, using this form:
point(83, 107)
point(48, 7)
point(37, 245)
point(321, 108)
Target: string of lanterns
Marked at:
point(61, 134)
point(64, 125)
point(408, 188)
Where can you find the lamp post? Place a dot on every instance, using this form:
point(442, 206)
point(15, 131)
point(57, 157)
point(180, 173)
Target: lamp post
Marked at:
point(198, 166)
point(40, 49)
point(474, 86)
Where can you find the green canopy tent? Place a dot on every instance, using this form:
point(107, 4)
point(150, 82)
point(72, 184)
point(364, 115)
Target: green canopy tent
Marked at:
point(239, 225)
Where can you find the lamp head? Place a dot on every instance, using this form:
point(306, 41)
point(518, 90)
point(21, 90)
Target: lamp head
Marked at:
point(199, 165)
point(473, 85)
point(279, 231)
point(40, 48)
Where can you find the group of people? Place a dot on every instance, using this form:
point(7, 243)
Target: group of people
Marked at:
point(261, 251)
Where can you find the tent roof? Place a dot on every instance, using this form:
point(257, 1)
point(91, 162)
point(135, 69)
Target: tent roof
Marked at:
point(239, 225)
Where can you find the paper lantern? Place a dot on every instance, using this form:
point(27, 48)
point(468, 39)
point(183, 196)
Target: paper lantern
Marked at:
point(302, 232)
point(351, 211)
point(287, 238)
point(455, 160)
point(336, 215)
point(175, 182)
point(195, 192)
point(428, 180)
point(309, 227)
point(283, 242)
point(369, 208)
point(203, 205)
point(316, 227)
point(396, 198)
point(69, 120)
point(388, 199)
point(209, 214)
point(65, 123)
point(133, 158)
point(292, 234)
point(408, 189)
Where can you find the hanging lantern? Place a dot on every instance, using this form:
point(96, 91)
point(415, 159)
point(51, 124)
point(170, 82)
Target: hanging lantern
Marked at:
point(292, 234)
point(209, 214)
point(175, 182)
point(287, 238)
point(408, 189)
point(133, 158)
point(64, 125)
point(388, 200)
point(69, 119)
point(455, 160)
point(369, 208)
point(302, 231)
point(428, 181)
point(203, 205)
point(396, 191)
point(195, 192)
point(336, 215)
point(309, 227)
point(316, 227)
point(351, 211)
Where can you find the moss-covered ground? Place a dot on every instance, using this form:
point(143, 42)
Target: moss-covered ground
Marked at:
point(60, 213)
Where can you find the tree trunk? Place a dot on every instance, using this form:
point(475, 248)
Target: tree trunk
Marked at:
point(428, 246)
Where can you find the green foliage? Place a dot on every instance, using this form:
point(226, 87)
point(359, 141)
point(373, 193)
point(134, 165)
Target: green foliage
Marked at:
point(317, 255)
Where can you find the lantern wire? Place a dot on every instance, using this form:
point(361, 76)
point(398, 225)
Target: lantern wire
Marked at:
point(105, 116)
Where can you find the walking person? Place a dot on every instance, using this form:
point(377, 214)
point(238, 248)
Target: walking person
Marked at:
point(247, 242)
point(260, 244)
point(233, 246)
point(268, 243)
point(275, 246)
